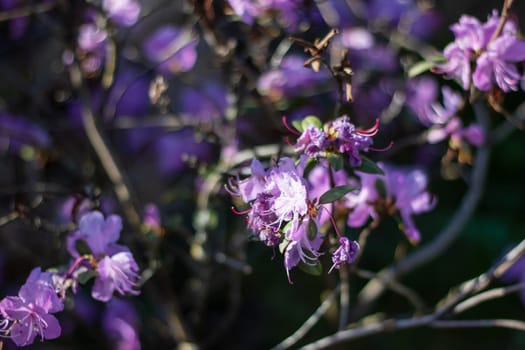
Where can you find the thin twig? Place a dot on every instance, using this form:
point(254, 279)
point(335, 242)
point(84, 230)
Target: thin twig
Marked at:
point(105, 155)
point(344, 299)
point(396, 287)
point(309, 323)
point(488, 295)
point(493, 323)
point(12, 216)
point(504, 14)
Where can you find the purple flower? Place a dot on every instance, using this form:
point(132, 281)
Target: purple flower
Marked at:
point(116, 273)
point(405, 189)
point(290, 79)
point(422, 95)
point(281, 208)
point(100, 234)
point(494, 58)
point(90, 37)
point(312, 142)
point(151, 217)
point(408, 188)
point(442, 118)
point(457, 65)
point(349, 140)
point(362, 202)
point(301, 248)
point(341, 137)
point(246, 9)
point(471, 36)
point(496, 63)
point(120, 324)
point(249, 188)
point(172, 48)
point(115, 266)
point(345, 254)
point(290, 13)
point(122, 12)
point(30, 311)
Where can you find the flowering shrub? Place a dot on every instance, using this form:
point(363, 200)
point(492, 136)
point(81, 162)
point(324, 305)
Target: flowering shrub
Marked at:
point(148, 148)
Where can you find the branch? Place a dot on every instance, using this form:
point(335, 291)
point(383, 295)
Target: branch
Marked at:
point(396, 287)
point(493, 323)
point(488, 295)
point(104, 153)
point(504, 14)
point(309, 323)
point(375, 288)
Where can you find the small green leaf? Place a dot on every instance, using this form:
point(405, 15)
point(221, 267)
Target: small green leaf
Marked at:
point(419, 68)
point(84, 277)
point(310, 165)
point(335, 193)
point(311, 120)
point(336, 161)
point(369, 167)
point(297, 124)
point(311, 230)
point(315, 270)
point(380, 188)
point(82, 247)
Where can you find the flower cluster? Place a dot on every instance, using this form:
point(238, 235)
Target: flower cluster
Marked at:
point(441, 118)
point(282, 212)
point(495, 57)
point(30, 314)
point(339, 136)
point(401, 193)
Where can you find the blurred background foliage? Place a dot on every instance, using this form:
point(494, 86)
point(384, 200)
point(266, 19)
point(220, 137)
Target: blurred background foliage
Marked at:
point(214, 108)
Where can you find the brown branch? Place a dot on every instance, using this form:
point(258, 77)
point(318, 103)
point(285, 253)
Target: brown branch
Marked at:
point(504, 15)
point(104, 153)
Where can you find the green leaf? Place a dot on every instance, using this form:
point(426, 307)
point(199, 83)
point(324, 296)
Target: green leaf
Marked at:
point(311, 230)
point(336, 161)
point(310, 165)
point(369, 167)
point(315, 270)
point(82, 247)
point(297, 124)
point(419, 68)
point(380, 188)
point(335, 193)
point(84, 277)
point(311, 120)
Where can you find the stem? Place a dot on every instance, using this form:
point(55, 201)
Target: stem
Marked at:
point(75, 264)
point(504, 14)
point(104, 153)
point(488, 295)
point(309, 323)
